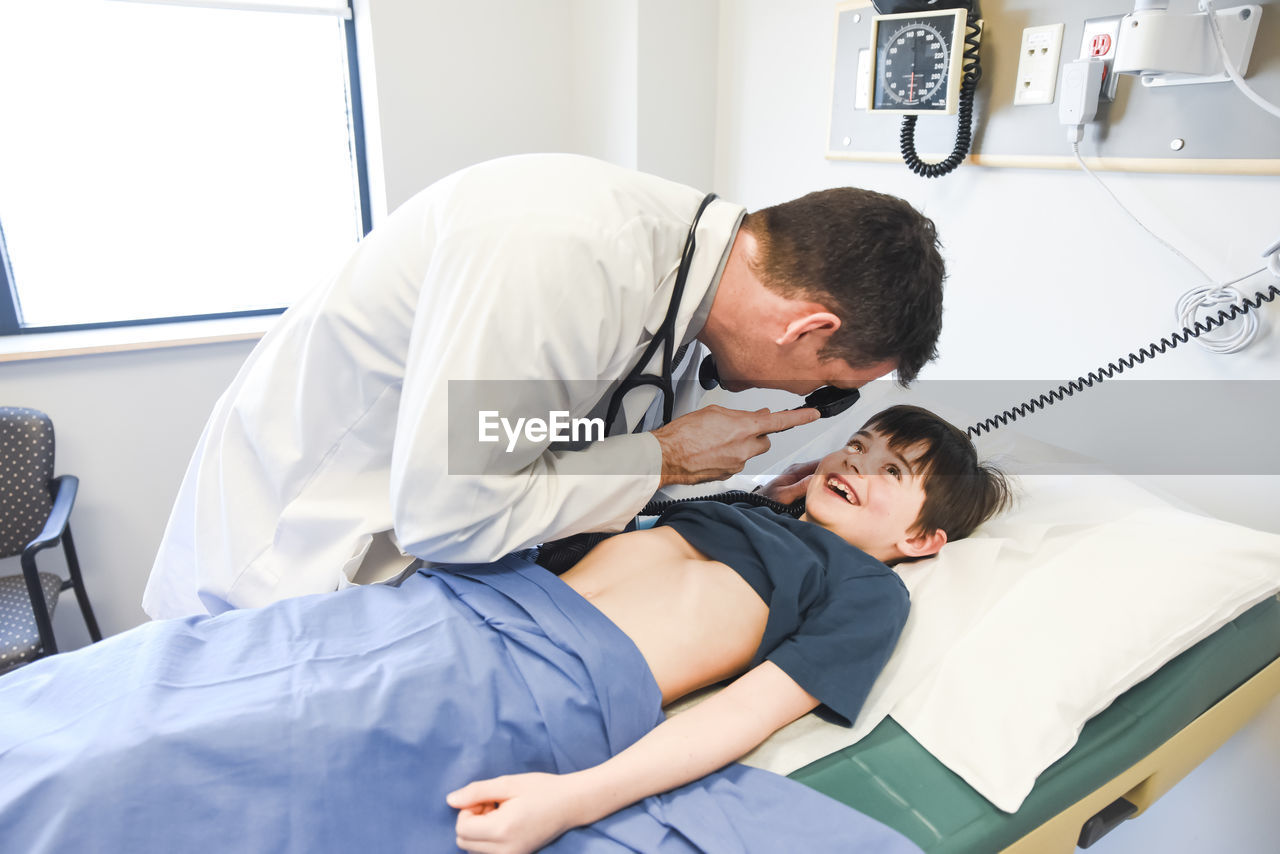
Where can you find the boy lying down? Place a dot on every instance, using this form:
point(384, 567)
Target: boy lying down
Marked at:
point(498, 702)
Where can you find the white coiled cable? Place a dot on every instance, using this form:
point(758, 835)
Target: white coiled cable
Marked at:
point(1209, 299)
point(1207, 302)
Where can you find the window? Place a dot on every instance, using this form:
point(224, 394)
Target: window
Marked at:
point(167, 159)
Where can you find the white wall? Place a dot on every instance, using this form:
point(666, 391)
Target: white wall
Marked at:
point(1047, 279)
point(125, 424)
point(676, 91)
point(458, 83)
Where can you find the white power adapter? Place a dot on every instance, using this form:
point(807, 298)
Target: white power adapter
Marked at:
point(1081, 85)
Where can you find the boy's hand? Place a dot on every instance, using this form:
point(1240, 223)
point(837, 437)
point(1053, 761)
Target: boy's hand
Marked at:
point(514, 814)
point(792, 484)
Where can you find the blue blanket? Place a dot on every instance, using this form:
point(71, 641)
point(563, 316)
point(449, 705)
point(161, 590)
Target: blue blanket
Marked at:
point(338, 723)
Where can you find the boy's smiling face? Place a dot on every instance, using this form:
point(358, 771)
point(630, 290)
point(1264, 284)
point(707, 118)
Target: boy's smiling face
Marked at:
point(870, 495)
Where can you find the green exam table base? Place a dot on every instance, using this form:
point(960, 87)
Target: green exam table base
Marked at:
point(1142, 744)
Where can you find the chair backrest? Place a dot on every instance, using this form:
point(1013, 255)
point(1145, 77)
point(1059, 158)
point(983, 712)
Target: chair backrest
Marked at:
point(26, 467)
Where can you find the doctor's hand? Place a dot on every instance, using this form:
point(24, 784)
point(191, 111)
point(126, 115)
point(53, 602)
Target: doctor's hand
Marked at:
point(713, 443)
point(514, 814)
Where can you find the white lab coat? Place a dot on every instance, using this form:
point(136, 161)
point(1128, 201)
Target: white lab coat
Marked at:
point(546, 270)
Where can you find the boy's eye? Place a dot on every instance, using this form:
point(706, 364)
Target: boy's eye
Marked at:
point(893, 470)
point(855, 445)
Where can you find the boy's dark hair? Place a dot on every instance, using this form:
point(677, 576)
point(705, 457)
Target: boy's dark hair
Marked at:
point(869, 258)
point(960, 493)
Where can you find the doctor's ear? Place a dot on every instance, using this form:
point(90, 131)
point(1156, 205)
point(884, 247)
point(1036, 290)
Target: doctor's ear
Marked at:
point(821, 323)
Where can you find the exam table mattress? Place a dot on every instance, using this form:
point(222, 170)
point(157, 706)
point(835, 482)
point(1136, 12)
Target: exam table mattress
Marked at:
point(890, 777)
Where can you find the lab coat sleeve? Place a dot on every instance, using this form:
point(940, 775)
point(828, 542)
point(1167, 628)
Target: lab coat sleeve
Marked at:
point(522, 325)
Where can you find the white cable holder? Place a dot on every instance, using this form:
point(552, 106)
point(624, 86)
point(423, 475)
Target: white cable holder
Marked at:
point(1173, 48)
point(1236, 73)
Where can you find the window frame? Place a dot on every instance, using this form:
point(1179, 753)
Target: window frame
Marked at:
point(10, 324)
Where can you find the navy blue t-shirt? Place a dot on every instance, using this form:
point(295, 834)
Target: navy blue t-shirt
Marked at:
point(835, 612)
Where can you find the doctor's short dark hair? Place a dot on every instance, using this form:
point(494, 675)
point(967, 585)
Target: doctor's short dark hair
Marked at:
point(871, 259)
point(960, 493)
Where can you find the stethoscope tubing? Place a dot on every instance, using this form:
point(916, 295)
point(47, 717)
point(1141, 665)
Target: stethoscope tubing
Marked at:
point(664, 337)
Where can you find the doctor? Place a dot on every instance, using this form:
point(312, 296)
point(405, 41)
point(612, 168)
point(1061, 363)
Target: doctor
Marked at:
point(531, 284)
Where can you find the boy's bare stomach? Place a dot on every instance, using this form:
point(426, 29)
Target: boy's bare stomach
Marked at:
point(695, 620)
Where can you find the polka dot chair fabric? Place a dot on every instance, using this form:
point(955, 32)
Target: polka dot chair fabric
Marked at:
point(19, 635)
point(26, 467)
point(26, 502)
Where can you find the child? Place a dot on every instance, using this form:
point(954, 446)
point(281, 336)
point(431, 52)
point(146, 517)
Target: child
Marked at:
point(345, 719)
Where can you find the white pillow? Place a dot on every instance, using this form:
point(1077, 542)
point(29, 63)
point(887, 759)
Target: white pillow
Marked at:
point(1093, 610)
point(1021, 633)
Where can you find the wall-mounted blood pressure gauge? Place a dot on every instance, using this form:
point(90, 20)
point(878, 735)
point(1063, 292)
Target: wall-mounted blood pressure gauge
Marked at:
point(917, 62)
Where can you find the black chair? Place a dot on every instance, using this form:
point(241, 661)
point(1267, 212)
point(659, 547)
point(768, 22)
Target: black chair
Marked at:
point(34, 511)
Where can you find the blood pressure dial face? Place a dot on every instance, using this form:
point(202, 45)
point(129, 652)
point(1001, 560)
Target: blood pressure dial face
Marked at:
point(913, 64)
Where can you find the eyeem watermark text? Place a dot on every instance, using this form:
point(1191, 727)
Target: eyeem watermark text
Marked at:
point(557, 427)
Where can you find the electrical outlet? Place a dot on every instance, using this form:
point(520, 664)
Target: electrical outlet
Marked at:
point(1038, 65)
point(1099, 40)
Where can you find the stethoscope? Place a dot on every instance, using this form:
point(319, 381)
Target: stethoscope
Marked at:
point(665, 338)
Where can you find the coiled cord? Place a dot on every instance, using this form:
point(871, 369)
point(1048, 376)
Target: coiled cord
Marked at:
point(733, 496)
point(1118, 366)
point(964, 115)
point(559, 556)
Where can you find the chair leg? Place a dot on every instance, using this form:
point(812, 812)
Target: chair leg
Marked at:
point(48, 646)
point(77, 582)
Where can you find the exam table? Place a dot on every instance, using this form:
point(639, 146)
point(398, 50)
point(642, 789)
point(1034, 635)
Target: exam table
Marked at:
point(1126, 757)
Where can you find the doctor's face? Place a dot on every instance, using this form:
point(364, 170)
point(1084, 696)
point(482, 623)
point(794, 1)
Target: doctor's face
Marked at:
point(762, 338)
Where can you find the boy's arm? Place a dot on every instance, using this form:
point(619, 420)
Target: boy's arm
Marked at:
point(522, 812)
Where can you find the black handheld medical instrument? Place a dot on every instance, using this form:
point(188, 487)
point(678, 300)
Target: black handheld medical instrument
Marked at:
point(828, 400)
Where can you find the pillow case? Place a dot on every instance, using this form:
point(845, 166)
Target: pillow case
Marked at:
point(1086, 614)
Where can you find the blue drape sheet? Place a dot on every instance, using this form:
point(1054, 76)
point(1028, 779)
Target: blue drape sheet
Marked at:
point(337, 723)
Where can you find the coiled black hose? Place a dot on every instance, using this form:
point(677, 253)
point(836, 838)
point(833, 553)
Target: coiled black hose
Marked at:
point(560, 555)
point(1109, 370)
point(733, 496)
point(964, 115)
